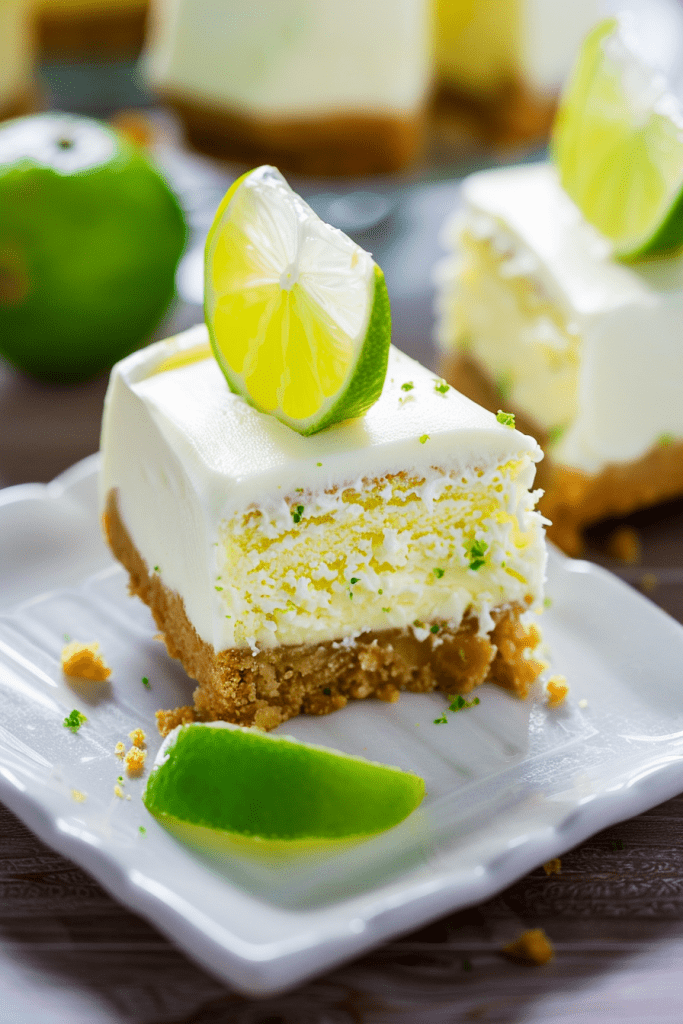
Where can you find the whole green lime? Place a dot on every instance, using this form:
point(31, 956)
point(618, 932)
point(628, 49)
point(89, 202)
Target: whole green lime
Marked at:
point(90, 238)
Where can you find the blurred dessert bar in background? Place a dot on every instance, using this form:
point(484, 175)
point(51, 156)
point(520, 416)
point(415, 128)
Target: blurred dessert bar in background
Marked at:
point(318, 87)
point(536, 315)
point(17, 89)
point(505, 60)
point(94, 27)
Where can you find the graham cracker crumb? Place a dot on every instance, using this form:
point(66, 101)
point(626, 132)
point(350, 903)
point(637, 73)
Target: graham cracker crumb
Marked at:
point(624, 545)
point(135, 761)
point(532, 947)
point(649, 582)
point(168, 720)
point(118, 791)
point(137, 737)
point(553, 867)
point(78, 796)
point(120, 750)
point(84, 661)
point(557, 690)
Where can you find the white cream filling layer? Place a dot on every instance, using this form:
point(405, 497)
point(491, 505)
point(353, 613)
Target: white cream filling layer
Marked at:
point(261, 531)
point(588, 346)
point(284, 58)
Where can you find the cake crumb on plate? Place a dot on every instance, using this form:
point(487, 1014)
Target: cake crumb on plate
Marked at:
point(557, 690)
point(532, 947)
point(553, 867)
point(137, 737)
point(84, 661)
point(135, 761)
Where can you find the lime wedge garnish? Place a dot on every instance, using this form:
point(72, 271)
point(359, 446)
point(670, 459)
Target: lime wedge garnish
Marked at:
point(298, 314)
point(618, 144)
point(256, 786)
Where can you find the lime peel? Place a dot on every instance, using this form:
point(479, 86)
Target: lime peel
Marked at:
point(298, 314)
point(216, 780)
point(618, 144)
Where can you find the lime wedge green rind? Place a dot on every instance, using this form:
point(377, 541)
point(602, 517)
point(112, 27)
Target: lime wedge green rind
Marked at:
point(255, 786)
point(367, 380)
point(618, 146)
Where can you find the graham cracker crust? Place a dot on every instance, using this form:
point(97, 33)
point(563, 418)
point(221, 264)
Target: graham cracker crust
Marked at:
point(513, 114)
point(574, 499)
point(278, 683)
point(332, 145)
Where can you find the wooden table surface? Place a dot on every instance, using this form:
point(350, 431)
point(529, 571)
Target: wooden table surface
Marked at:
point(70, 953)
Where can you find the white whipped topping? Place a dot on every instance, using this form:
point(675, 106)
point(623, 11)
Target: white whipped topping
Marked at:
point(626, 389)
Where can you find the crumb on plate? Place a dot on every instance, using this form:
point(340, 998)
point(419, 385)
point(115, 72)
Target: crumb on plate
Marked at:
point(557, 690)
point(84, 661)
point(118, 791)
point(137, 737)
point(624, 545)
point(553, 867)
point(120, 750)
point(532, 947)
point(135, 761)
point(78, 796)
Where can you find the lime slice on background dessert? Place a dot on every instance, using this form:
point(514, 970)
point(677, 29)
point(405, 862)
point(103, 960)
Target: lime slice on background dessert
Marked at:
point(298, 314)
point(618, 144)
point(90, 237)
point(261, 788)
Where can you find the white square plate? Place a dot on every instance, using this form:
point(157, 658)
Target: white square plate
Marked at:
point(509, 784)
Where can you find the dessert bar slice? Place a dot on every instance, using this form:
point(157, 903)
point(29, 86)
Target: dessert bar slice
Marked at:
point(400, 550)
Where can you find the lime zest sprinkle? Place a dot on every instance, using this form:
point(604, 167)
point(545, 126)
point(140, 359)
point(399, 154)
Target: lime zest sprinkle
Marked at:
point(146, 682)
point(408, 386)
point(664, 440)
point(386, 609)
point(424, 438)
point(506, 418)
point(476, 553)
point(297, 513)
point(435, 628)
point(74, 720)
point(354, 579)
point(547, 602)
point(442, 387)
point(462, 654)
point(217, 588)
point(439, 573)
point(318, 463)
point(156, 568)
point(459, 703)
point(142, 830)
point(380, 591)
point(441, 721)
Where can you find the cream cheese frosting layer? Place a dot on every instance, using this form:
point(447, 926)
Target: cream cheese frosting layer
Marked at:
point(284, 58)
point(420, 509)
point(588, 346)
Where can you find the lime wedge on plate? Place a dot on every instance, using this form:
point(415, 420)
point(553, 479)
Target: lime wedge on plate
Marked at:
point(258, 788)
point(298, 314)
point(618, 144)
